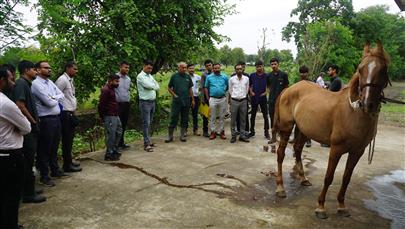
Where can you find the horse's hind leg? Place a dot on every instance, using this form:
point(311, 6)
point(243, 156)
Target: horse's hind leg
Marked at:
point(280, 191)
point(352, 160)
point(298, 167)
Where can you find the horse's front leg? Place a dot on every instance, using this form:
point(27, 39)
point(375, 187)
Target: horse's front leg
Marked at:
point(299, 168)
point(334, 157)
point(351, 163)
point(280, 191)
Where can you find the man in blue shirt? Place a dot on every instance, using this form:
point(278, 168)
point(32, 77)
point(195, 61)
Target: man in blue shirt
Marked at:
point(47, 99)
point(258, 91)
point(216, 86)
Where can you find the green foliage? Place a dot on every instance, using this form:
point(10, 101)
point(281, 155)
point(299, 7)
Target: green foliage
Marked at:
point(375, 23)
point(13, 55)
point(309, 11)
point(12, 30)
point(99, 34)
point(329, 42)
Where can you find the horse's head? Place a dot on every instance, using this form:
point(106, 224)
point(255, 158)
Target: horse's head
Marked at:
point(373, 77)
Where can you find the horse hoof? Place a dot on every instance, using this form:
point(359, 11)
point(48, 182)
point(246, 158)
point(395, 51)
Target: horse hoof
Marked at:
point(343, 212)
point(281, 194)
point(321, 214)
point(306, 183)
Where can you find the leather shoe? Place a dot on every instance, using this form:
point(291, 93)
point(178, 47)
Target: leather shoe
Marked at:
point(233, 139)
point(38, 190)
point(59, 174)
point(124, 146)
point(72, 169)
point(243, 139)
point(34, 199)
point(222, 135)
point(213, 135)
point(46, 181)
point(205, 134)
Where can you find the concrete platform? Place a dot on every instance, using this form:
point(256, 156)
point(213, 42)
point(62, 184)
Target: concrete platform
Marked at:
point(211, 184)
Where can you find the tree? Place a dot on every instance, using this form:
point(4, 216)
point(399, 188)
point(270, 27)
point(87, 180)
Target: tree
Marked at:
point(309, 11)
point(375, 23)
point(225, 55)
point(326, 43)
point(12, 30)
point(237, 55)
point(251, 58)
point(13, 55)
point(98, 34)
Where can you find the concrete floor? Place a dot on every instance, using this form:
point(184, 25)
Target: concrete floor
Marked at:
point(211, 184)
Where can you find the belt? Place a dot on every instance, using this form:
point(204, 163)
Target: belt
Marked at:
point(49, 116)
point(9, 152)
point(239, 100)
point(70, 112)
point(220, 97)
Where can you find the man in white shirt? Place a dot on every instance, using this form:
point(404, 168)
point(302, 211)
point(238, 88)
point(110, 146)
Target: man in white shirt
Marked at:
point(47, 99)
point(196, 92)
point(65, 83)
point(13, 125)
point(238, 89)
point(320, 80)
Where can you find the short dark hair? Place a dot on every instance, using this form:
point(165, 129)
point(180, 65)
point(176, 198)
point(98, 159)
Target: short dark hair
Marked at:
point(304, 69)
point(190, 65)
point(147, 62)
point(25, 65)
point(241, 62)
point(259, 62)
point(237, 65)
point(9, 67)
point(207, 61)
point(274, 59)
point(70, 64)
point(3, 72)
point(335, 67)
point(113, 77)
point(124, 62)
point(38, 65)
point(216, 64)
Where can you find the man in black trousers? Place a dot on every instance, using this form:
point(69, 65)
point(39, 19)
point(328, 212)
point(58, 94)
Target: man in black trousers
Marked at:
point(23, 98)
point(13, 125)
point(122, 94)
point(65, 83)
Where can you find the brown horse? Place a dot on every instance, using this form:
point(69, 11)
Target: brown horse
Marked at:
point(346, 120)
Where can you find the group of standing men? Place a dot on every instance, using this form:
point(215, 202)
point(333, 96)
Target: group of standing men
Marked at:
point(35, 113)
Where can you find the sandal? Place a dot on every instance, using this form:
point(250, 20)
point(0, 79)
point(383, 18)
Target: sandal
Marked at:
point(148, 148)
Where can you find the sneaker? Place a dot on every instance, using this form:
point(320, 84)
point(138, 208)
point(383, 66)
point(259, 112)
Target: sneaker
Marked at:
point(233, 139)
point(251, 134)
point(195, 132)
point(243, 139)
point(46, 181)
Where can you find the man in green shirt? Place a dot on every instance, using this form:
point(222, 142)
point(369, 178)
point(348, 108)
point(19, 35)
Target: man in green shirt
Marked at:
point(147, 88)
point(180, 87)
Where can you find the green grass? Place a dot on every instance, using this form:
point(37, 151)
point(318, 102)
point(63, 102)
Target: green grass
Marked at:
point(393, 108)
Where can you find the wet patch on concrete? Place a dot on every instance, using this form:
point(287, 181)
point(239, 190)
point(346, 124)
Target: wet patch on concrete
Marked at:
point(389, 196)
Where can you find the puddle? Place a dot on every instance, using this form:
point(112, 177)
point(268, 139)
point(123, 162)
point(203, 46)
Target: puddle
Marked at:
point(389, 193)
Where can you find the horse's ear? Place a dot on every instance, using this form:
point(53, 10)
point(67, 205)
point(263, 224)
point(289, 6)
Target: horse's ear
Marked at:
point(366, 49)
point(380, 48)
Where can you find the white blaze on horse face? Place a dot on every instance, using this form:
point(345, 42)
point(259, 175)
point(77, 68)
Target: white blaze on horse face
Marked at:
point(371, 67)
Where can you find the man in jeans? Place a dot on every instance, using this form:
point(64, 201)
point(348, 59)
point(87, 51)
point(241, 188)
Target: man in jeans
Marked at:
point(147, 88)
point(238, 89)
point(108, 110)
point(122, 94)
point(13, 125)
point(65, 83)
point(23, 97)
point(216, 86)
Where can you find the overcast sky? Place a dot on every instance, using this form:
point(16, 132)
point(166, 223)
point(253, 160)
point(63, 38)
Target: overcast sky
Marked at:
point(245, 28)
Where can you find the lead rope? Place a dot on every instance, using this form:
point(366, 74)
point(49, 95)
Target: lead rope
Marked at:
point(372, 145)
